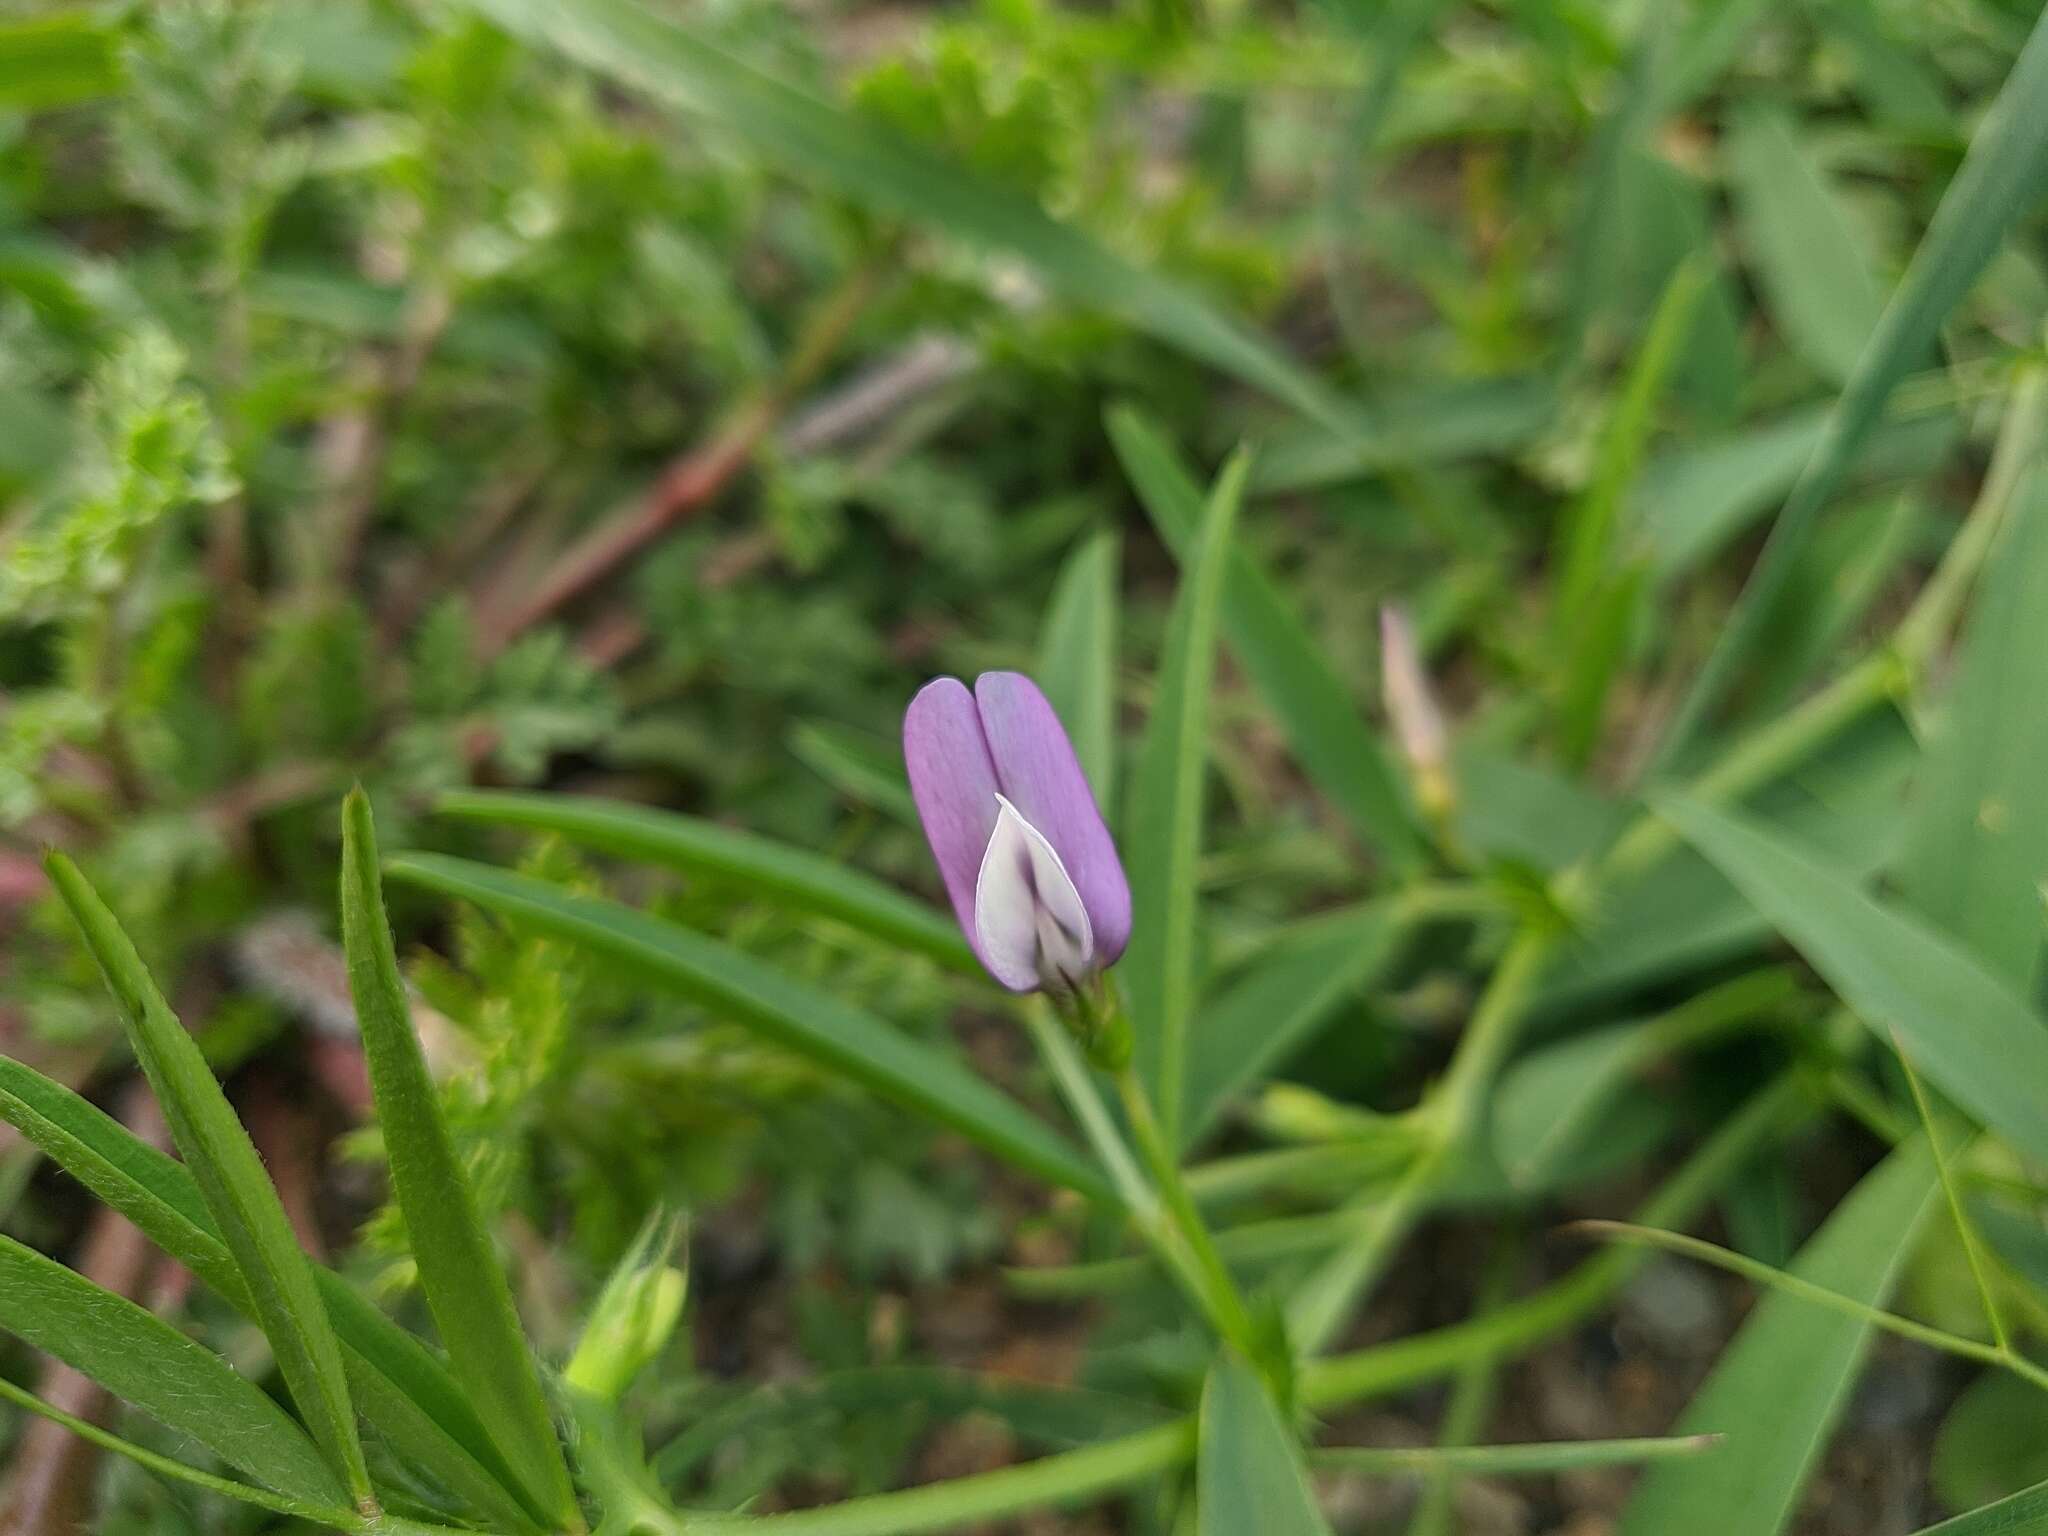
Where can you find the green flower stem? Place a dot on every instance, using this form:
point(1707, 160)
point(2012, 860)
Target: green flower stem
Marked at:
point(1162, 1212)
point(1224, 1303)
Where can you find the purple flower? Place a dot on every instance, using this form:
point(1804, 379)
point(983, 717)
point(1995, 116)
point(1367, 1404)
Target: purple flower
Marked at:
point(1029, 865)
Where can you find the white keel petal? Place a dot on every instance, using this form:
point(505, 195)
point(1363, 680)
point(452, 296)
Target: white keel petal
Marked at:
point(1028, 916)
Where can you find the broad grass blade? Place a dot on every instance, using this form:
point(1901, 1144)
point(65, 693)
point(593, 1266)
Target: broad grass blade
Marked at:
point(1778, 1389)
point(1248, 1470)
point(1966, 1030)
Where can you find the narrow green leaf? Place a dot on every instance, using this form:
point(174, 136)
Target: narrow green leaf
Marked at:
point(400, 1386)
point(1779, 1388)
point(1978, 850)
point(165, 1466)
point(2001, 179)
point(143, 1360)
point(789, 876)
point(57, 60)
point(857, 157)
point(464, 1284)
point(1248, 1469)
point(1817, 278)
point(230, 1175)
point(2024, 1514)
point(1537, 1460)
point(1309, 698)
point(1166, 814)
point(1967, 1032)
point(1077, 658)
point(1276, 1006)
point(799, 1017)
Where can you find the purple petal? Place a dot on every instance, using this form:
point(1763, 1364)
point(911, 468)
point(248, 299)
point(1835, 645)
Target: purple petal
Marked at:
point(1036, 768)
point(953, 781)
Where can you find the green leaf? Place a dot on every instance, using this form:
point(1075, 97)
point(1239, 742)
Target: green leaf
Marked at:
point(1294, 675)
point(143, 1360)
point(1248, 1469)
point(230, 1175)
point(796, 1016)
point(464, 1284)
point(1779, 1388)
point(860, 159)
point(789, 876)
point(2001, 179)
point(57, 60)
point(1277, 1004)
point(165, 1466)
point(1537, 1460)
point(1965, 1030)
point(2024, 1514)
point(1077, 657)
point(1166, 814)
point(1810, 259)
point(401, 1387)
point(1978, 849)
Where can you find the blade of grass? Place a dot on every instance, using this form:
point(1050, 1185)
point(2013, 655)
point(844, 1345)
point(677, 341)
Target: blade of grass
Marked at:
point(465, 1286)
point(1077, 658)
point(1166, 819)
point(1778, 1389)
point(2024, 1514)
point(1970, 1034)
point(143, 1360)
point(2001, 178)
point(401, 1387)
point(791, 876)
point(230, 1175)
point(864, 769)
point(812, 1023)
point(1978, 846)
point(861, 159)
point(1248, 1467)
point(1973, 1250)
point(1293, 674)
point(1537, 1460)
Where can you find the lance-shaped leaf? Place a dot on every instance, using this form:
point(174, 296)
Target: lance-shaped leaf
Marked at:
point(1777, 1391)
point(799, 1017)
point(1077, 659)
point(401, 1387)
point(143, 1360)
point(1965, 1029)
point(464, 1284)
point(245, 1208)
point(791, 876)
point(1249, 1473)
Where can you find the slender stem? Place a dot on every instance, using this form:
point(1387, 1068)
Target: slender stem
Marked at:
point(1821, 1296)
point(1224, 1303)
point(1163, 1214)
point(1965, 1228)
